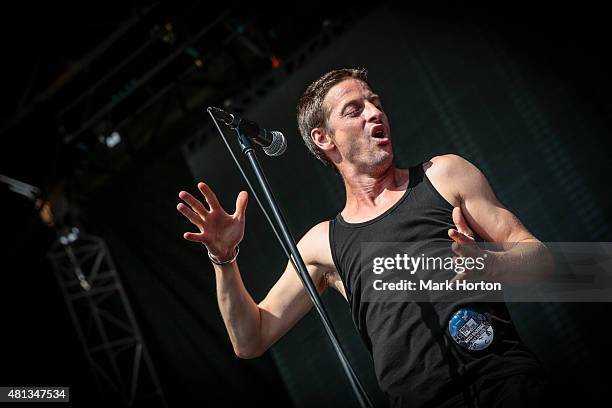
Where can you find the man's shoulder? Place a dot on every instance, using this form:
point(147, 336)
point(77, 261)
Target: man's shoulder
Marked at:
point(319, 233)
point(451, 175)
point(314, 245)
point(317, 252)
point(446, 164)
point(451, 168)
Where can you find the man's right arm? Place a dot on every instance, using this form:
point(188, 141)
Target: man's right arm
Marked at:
point(253, 327)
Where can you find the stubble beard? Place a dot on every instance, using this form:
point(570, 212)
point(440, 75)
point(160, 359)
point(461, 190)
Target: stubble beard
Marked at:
point(377, 163)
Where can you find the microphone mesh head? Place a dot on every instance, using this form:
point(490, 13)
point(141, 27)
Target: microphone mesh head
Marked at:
point(278, 145)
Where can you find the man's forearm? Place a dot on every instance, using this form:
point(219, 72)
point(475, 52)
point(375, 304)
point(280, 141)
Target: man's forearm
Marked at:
point(524, 262)
point(240, 313)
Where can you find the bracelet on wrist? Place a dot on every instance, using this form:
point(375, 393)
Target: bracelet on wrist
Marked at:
point(217, 262)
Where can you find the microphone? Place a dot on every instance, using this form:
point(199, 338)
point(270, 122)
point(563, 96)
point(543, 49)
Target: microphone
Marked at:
point(273, 142)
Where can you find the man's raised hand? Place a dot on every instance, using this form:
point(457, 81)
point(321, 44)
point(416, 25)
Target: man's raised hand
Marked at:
point(220, 232)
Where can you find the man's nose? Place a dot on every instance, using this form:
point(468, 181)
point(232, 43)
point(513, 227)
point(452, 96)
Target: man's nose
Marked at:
point(373, 113)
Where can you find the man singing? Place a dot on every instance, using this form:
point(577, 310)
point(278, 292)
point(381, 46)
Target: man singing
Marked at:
point(418, 361)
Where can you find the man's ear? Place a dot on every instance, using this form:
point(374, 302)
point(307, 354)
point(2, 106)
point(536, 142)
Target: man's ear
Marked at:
point(322, 139)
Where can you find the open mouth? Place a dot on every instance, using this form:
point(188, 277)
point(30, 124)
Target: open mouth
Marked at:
point(379, 134)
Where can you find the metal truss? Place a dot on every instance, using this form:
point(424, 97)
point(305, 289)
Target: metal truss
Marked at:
point(104, 321)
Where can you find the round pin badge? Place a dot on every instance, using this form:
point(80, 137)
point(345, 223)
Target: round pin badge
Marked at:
point(470, 329)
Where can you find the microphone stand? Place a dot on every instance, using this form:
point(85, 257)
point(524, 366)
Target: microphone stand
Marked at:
point(290, 248)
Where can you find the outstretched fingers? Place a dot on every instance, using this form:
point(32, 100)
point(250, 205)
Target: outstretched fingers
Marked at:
point(194, 237)
point(210, 196)
point(194, 218)
point(195, 204)
point(241, 204)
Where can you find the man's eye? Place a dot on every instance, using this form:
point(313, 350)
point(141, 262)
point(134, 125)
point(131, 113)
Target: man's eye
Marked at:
point(353, 112)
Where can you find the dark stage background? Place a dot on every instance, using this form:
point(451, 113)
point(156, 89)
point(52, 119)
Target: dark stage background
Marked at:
point(522, 95)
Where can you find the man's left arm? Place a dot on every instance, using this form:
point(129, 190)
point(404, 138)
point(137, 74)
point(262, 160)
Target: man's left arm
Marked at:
point(523, 258)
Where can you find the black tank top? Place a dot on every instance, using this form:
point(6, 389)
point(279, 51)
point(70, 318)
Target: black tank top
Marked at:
point(416, 361)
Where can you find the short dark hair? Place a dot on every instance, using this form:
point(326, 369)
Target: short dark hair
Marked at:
point(310, 109)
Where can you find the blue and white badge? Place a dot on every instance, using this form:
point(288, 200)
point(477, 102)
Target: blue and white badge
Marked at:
point(471, 330)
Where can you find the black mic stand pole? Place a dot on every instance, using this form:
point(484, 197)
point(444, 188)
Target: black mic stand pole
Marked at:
point(298, 262)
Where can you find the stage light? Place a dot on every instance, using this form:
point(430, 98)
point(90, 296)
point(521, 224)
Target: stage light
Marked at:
point(168, 37)
point(111, 140)
point(70, 236)
point(195, 54)
point(20, 187)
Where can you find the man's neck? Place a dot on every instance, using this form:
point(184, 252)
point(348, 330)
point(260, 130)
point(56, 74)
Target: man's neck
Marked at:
point(367, 193)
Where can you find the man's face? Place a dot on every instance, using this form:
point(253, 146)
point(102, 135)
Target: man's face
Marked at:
point(358, 126)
